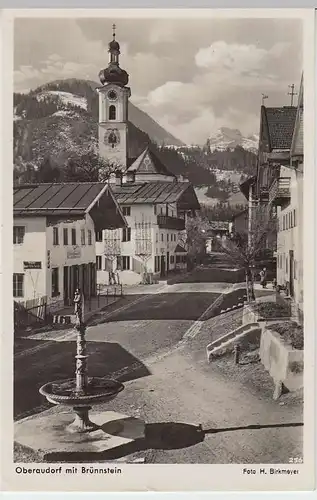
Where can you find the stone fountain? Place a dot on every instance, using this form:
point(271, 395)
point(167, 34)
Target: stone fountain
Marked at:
point(81, 392)
point(61, 435)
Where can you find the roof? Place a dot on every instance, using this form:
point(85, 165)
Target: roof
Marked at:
point(245, 185)
point(298, 136)
point(281, 123)
point(67, 199)
point(149, 163)
point(180, 249)
point(235, 216)
point(156, 193)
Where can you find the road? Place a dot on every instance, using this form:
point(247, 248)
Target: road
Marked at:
point(156, 345)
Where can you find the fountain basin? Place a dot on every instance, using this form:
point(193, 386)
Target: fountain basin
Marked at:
point(98, 390)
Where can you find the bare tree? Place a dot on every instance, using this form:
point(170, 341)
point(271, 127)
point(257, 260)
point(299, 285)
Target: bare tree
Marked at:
point(112, 246)
point(143, 243)
point(244, 252)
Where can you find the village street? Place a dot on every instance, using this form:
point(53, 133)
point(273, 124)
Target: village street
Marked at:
point(156, 344)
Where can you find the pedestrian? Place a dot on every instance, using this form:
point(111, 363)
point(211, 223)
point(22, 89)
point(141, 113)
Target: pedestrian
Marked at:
point(109, 277)
point(78, 301)
point(263, 279)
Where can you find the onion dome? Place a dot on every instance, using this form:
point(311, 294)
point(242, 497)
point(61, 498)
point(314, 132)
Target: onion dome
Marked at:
point(113, 73)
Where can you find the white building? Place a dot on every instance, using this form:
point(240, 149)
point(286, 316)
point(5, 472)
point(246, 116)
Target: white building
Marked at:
point(155, 213)
point(54, 238)
point(287, 192)
point(152, 199)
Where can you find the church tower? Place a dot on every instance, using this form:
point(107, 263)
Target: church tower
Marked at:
point(113, 109)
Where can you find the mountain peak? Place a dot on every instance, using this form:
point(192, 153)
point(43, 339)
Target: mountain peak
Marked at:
point(229, 138)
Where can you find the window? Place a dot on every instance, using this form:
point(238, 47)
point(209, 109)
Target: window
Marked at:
point(157, 237)
point(65, 236)
point(286, 265)
point(126, 234)
point(55, 286)
point(99, 236)
point(167, 237)
point(162, 237)
point(82, 237)
point(125, 261)
point(155, 210)
point(112, 112)
point(74, 236)
point(172, 259)
point(286, 221)
point(294, 217)
point(55, 236)
point(98, 262)
point(126, 211)
point(18, 234)
point(295, 270)
point(291, 219)
point(283, 222)
point(89, 237)
point(18, 285)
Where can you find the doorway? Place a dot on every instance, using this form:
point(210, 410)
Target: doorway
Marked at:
point(291, 273)
point(66, 286)
point(163, 270)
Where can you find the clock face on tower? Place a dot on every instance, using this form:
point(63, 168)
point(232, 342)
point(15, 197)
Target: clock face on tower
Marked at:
point(112, 137)
point(112, 95)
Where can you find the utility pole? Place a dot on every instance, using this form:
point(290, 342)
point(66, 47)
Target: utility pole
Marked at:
point(264, 96)
point(292, 93)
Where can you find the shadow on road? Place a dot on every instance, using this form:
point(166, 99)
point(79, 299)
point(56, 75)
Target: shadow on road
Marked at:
point(106, 359)
point(158, 436)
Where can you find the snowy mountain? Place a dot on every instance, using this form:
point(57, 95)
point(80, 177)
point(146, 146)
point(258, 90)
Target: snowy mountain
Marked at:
point(226, 138)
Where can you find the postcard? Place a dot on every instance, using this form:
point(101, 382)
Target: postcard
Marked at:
point(157, 275)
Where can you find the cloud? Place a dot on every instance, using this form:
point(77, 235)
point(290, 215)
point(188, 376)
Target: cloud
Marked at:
point(189, 75)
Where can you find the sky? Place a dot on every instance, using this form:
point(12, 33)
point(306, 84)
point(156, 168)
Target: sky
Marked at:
point(191, 76)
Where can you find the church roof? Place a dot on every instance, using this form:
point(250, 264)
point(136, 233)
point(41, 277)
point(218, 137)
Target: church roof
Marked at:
point(281, 123)
point(149, 163)
point(157, 193)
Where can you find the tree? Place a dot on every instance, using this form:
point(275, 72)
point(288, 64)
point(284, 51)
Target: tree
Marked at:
point(89, 167)
point(48, 172)
point(194, 238)
point(244, 251)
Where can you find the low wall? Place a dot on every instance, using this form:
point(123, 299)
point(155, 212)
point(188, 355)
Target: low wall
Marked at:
point(285, 364)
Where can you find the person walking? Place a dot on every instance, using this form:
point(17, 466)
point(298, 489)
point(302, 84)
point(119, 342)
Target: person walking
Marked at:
point(263, 279)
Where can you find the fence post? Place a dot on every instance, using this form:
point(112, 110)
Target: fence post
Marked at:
point(236, 354)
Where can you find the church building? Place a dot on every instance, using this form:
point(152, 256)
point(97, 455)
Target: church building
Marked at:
point(154, 200)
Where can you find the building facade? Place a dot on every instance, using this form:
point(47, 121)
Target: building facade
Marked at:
point(287, 193)
point(54, 239)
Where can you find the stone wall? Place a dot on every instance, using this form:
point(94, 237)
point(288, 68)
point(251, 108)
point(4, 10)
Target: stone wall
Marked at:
point(285, 364)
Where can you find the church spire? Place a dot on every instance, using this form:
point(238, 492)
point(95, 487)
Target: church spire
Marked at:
point(114, 74)
point(114, 48)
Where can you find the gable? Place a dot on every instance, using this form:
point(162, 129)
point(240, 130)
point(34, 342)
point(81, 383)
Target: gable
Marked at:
point(147, 166)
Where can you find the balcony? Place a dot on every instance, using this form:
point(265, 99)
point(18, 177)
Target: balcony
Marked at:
point(280, 191)
point(167, 222)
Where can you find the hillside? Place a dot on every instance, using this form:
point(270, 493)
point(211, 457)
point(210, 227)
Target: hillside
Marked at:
point(55, 132)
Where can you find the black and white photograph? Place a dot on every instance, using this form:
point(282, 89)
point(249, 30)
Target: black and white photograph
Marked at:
point(159, 301)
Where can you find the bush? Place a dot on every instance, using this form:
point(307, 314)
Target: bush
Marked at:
point(268, 310)
point(291, 332)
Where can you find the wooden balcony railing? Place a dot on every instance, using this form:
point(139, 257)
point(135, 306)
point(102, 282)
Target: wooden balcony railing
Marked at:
point(280, 191)
point(167, 222)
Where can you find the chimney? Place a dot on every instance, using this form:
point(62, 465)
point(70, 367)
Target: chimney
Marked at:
point(131, 176)
point(118, 178)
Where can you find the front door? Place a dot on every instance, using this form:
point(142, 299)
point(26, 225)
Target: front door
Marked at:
point(66, 286)
point(162, 266)
point(291, 273)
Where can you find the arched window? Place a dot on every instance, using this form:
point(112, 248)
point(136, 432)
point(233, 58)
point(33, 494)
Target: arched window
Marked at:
point(112, 112)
